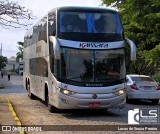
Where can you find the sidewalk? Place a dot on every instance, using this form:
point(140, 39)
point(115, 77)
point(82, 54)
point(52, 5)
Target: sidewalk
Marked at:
point(8, 117)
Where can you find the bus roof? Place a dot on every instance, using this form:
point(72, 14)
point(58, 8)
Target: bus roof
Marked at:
point(82, 8)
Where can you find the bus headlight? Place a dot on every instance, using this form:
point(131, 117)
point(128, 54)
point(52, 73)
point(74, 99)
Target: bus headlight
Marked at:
point(66, 92)
point(120, 92)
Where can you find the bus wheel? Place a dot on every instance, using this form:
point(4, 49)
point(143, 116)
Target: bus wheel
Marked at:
point(30, 95)
point(50, 107)
point(155, 101)
point(128, 100)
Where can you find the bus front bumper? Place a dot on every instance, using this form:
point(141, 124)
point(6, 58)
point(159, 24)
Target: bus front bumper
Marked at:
point(69, 102)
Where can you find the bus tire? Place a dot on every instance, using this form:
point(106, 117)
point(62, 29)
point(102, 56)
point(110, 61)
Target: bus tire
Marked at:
point(127, 100)
point(30, 95)
point(50, 107)
point(155, 101)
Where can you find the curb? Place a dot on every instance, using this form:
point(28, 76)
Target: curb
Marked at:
point(19, 124)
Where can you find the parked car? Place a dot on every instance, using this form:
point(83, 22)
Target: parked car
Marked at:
point(142, 87)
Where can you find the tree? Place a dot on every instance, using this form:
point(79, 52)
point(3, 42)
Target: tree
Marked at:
point(20, 53)
point(152, 57)
point(11, 13)
point(141, 21)
point(3, 61)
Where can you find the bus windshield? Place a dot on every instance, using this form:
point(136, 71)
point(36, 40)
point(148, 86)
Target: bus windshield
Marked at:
point(89, 22)
point(90, 26)
point(92, 65)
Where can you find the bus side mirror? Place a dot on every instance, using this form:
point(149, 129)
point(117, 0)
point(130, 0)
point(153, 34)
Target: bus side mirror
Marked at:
point(133, 49)
point(56, 47)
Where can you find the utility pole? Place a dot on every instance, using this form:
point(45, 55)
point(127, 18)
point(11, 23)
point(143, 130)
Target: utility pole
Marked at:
point(1, 50)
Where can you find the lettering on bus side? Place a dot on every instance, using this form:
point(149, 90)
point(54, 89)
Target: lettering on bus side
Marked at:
point(93, 45)
point(38, 49)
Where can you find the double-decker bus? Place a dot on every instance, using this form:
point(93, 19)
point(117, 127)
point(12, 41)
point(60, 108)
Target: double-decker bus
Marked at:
point(74, 58)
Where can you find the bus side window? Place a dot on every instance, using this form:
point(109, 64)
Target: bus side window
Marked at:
point(52, 60)
point(52, 24)
point(52, 28)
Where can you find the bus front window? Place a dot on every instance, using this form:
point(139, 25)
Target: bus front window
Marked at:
point(86, 22)
point(98, 66)
point(88, 26)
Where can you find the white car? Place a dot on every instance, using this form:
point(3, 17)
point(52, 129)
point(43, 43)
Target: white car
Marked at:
point(142, 87)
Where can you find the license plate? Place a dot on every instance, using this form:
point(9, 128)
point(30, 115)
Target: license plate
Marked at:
point(94, 104)
point(147, 88)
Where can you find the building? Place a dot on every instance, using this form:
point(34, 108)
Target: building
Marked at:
point(12, 65)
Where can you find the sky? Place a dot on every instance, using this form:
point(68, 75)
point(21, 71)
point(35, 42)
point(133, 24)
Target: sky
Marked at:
point(10, 37)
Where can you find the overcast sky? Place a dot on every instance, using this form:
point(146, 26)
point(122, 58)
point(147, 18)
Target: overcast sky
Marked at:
point(10, 37)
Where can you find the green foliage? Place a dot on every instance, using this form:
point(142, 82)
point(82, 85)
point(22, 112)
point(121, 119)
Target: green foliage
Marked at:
point(141, 21)
point(20, 53)
point(157, 77)
point(3, 61)
point(152, 56)
point(140, 66)
point(112, 2)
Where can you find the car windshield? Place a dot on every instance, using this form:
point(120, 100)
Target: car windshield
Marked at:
point(92, 65)
point(138, 79)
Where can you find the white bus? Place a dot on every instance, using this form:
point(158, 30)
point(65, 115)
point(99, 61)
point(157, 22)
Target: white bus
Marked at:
point(74, 58)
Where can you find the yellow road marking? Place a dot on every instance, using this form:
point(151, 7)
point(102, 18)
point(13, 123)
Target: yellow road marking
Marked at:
point(14, 114)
